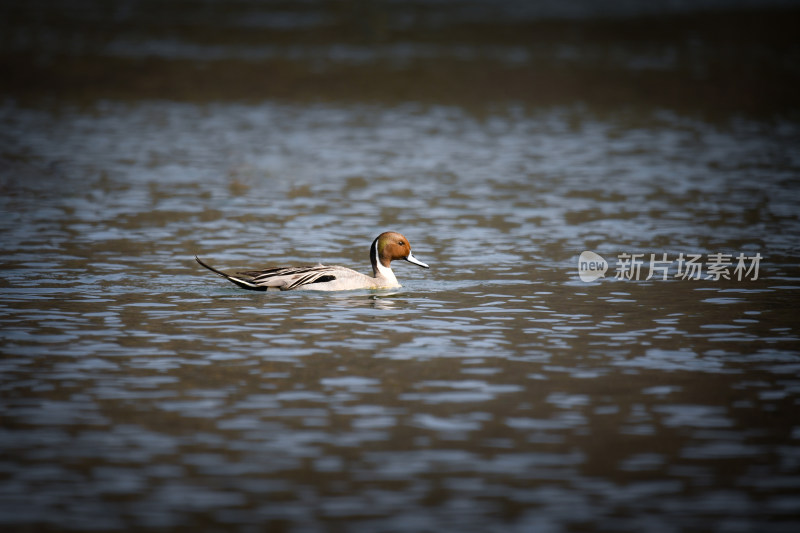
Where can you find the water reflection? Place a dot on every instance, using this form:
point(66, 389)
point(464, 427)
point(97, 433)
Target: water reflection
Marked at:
point(496, 391)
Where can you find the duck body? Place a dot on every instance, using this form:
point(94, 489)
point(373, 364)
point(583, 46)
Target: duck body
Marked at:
point(386, 247)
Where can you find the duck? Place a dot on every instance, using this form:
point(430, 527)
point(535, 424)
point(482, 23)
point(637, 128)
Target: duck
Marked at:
point(386, 247)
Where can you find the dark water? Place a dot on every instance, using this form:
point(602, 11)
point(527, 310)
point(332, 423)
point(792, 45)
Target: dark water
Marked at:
point(495, 391)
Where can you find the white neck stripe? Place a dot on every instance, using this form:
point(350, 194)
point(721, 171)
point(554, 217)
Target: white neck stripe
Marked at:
point(381, 270)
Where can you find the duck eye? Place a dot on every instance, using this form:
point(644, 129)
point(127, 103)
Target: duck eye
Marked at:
point(401, 243)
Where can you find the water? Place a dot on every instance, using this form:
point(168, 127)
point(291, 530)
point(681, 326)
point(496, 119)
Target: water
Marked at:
point(495, 391)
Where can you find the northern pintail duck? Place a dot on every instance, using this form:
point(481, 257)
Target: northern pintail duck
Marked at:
point(386, 247)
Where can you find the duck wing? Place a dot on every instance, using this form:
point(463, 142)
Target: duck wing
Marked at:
point(283, 278)
point(288, 278)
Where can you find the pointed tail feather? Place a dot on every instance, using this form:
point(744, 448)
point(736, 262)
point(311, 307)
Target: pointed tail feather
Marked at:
point(241, 282)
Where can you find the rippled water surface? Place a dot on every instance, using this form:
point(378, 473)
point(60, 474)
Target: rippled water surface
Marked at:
point(496, 391)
